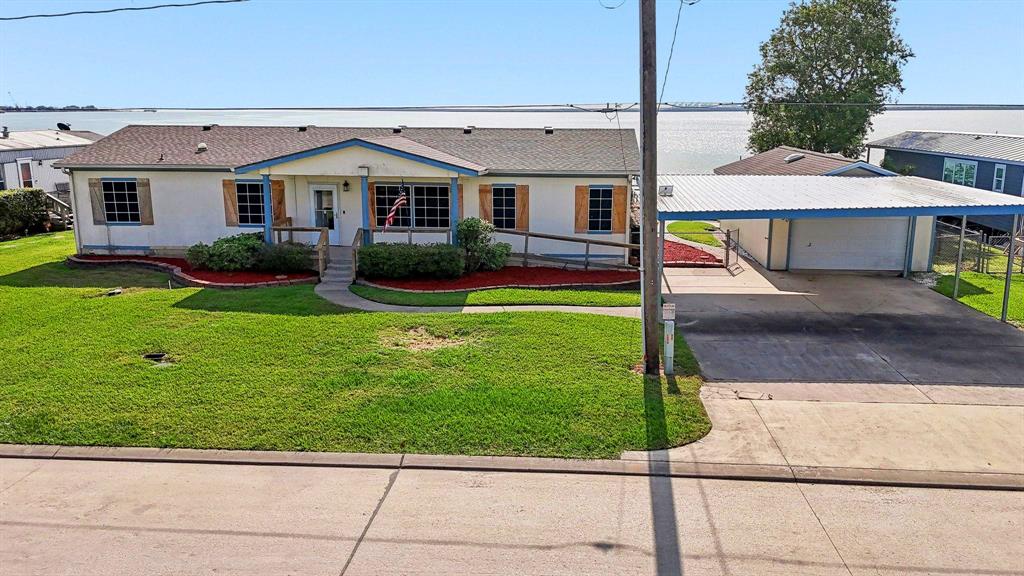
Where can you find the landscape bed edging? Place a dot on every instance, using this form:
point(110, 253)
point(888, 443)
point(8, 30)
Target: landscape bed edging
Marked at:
point(182, 277)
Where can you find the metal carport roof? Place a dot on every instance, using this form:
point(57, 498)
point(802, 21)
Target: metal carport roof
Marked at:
point(711, 196)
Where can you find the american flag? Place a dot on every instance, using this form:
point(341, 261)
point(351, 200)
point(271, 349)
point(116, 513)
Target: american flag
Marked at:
point(399, 202)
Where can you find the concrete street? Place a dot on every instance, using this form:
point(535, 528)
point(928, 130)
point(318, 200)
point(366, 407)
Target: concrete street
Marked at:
point(68, 517)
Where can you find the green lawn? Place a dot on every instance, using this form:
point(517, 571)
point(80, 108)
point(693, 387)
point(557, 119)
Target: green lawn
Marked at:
point(985, 293)
point(693, 231)
point(501, 297)
point(282, 369)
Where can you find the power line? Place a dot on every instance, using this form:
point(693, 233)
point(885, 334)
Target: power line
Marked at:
point(122, 9)
point(672, 48)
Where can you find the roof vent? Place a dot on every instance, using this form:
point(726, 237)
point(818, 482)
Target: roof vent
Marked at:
point(202, 147)
point(468, 129)
point(978, 137)
point(396, 130)
point(5, 133)
point(208, 127)
point(303, 128)
point(549, 130)
point(792, 158)
point(665, 190)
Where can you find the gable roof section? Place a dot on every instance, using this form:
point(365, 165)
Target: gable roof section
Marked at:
point(773, 162)
point(492, 150)
point(1006, 147)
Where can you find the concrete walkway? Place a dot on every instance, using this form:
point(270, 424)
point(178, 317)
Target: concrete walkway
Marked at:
point(113, 518)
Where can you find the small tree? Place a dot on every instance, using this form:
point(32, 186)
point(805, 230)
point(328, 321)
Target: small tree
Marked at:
point(476, 238)
point(843, 52)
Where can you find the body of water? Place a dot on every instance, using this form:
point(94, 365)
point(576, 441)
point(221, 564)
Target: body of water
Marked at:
point(687, 141)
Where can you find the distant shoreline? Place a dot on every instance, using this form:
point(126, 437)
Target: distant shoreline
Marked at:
point(523, 108)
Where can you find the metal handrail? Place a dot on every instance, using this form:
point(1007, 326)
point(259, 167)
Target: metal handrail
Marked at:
point(588, 242)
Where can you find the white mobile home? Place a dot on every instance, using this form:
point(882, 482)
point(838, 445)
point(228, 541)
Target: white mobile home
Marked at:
point(27, 158)
point(160, 189)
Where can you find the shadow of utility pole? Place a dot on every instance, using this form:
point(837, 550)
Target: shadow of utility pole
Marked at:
point(667, 553)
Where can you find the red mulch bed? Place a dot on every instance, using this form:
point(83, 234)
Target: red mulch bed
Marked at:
point(516, 276)
point(683, 254)
point(208, 275)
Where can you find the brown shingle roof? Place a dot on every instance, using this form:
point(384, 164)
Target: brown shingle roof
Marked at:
point(491, 149)
point(773, 162)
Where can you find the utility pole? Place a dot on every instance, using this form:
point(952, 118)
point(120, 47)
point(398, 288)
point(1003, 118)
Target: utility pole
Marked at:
point(649, 281)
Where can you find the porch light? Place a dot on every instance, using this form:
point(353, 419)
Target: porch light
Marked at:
point(344, 186)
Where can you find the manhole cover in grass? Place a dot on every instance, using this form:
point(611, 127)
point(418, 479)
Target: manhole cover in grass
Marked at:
point(419, 338)
point(159, 359)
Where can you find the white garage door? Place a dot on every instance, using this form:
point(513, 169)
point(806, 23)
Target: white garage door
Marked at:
point(848, 244)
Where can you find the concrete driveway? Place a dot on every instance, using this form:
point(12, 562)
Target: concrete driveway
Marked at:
point(760, 326)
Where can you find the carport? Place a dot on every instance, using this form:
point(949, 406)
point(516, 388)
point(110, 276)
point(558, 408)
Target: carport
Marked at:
point(840, 328)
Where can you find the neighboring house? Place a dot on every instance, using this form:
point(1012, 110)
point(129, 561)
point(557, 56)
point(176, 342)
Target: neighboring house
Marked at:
point(786, 160)
point(876, 244)
point(986, 161)
point(27, 157)
point(160, 189)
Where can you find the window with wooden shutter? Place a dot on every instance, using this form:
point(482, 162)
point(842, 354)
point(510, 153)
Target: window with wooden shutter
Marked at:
point(230, 203)
point(99, 214)
point(619, 200)
point(277, 202)
point(486, 203)
point(582, 203)
point(145, 201)
point(523, 207)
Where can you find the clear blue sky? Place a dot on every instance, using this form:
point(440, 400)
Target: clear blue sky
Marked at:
point(350, 53)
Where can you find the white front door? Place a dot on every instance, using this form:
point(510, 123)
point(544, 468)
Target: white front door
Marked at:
point(325, 210)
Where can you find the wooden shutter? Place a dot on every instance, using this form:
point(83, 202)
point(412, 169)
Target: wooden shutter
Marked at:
point(277, 202)
point(372, 197)
point(462, 204)
point(230, 203)
point(99, 213)
point(582, 208)
point(619, 196)
point(486, 203)
point(145, 201)
point(522, 207)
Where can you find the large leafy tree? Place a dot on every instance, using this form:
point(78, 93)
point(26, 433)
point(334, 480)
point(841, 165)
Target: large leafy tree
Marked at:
point(842, 52)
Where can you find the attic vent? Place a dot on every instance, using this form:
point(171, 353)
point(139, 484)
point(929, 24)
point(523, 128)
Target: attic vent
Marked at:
point(208, 127)
point(303, 128)
point(792, 158)
point(468, 129)
point(977, 137)
point(549, 130)
point(202, 147)
point(396, 130)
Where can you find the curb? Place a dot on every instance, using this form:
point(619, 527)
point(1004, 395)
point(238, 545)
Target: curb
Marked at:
point(181, 277)
point(622, 284)
point(651, 468)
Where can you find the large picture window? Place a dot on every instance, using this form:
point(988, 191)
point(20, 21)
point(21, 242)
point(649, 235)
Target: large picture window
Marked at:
point(504, 208)
point(121, 201)
point(600, 216)
point(250, 203)
point(959, 171)
point(429, 205)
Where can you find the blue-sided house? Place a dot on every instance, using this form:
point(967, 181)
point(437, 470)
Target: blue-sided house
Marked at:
point(986, 161)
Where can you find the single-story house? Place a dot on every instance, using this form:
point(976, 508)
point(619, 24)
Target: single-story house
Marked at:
point(27, 157)
point(159, 189)
point(829, 223)
point(986, 161)
point(787, 160)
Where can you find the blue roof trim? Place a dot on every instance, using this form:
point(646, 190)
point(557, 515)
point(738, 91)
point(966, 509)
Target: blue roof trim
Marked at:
point(348, 144)
point(843, 213)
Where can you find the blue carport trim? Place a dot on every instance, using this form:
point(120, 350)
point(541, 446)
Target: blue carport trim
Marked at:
point(842, 213)
point(348, 144)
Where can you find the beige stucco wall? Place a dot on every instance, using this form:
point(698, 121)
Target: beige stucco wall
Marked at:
point(923, 239)
point(753, 237)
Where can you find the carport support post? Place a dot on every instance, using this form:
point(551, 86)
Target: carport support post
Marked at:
point(959, 258)
point(1009, 265)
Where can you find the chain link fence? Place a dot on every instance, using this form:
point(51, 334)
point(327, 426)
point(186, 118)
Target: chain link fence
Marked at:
point(981, 253)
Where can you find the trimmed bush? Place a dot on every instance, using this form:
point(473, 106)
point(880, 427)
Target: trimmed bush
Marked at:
point(285, 257)
point(198, 255)
point(495, 256)
point(22, 211)
point(411, 261)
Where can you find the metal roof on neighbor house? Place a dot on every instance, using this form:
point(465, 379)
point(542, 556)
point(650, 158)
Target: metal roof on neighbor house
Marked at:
point(1007, 147)
point(774, 162)
point(31, 139)
point(757, 197)
point(492, 150)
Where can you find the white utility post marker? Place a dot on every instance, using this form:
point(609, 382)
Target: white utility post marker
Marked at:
point(668, 313)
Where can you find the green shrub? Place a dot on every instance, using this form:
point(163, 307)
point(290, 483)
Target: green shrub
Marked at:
point(22, 211)
point(198, 255)
point(285, 257)
point(411, 261)
point(495, 256)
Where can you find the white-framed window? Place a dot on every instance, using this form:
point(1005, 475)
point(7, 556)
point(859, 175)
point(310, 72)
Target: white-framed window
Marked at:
point(599, 218)
point(999, 178)
point(250, 203)
point(959, 171)
point(121, 201)
point(385, 196)
point(25, 172)
point(503, 205)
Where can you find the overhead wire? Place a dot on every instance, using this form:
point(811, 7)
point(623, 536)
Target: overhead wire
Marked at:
point(119, 9)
